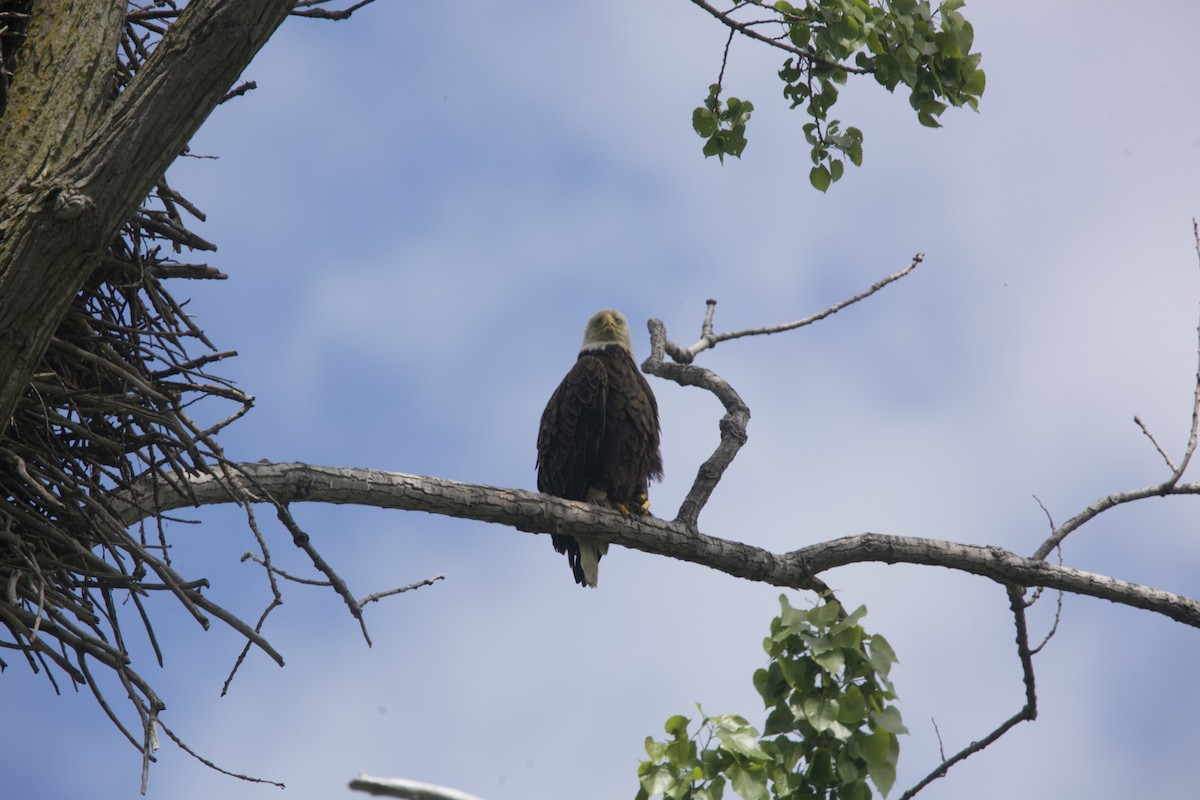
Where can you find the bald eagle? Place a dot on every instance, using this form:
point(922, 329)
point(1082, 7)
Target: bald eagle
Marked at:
point(599, 437)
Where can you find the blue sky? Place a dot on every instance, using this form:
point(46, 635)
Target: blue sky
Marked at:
point(419, 208)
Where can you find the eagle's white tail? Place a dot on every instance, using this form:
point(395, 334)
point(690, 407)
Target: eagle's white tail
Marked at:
point(589, 560)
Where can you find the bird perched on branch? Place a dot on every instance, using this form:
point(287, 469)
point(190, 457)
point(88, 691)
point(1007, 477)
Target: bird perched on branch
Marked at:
point(599, 437)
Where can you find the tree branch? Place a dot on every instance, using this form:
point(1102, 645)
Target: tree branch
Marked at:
point(708, 339)
point(410, 790)
point(1028, 712)
point(737, 414)
point(732, 425)
point(537, 513)
point(745, 29)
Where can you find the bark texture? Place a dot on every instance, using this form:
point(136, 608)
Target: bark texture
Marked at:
point(538, 513)
point(57, 217)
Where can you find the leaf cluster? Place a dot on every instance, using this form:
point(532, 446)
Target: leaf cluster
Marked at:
point(909, 42)
point(724, 129)
point(830, 725)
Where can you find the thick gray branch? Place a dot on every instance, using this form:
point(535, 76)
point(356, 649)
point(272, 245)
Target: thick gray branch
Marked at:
point(538, 513)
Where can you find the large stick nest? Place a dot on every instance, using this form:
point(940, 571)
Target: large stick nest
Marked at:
point(108, 406)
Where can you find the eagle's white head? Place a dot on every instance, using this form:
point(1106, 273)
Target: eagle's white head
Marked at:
point(607, 327)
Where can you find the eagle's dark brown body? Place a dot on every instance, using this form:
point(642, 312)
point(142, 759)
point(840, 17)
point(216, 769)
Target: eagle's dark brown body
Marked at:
point(599, 442)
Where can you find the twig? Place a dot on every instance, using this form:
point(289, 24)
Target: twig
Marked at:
point(1111, 501)
point(1027, 713)
point(737, 413)
point(305, 9)
point(745, 29)
point(1058, 609)
point(183, 746)
point(371, 598)
point(1191, 445)
point(248, 556)
point(238, 91)
point(708, 339)
point(304, 542)
point(1170, 464)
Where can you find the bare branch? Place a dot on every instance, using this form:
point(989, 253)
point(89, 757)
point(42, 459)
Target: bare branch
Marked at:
point(307, 8)
point(1027, 713)
point(180, 743)
point(737, 413)
point(1110, 501)
point(708, 339)
point(1191, 445)
point(411, 790)
point(377, 596)
point(302, 540)
point(537, 513)
point(1170, 464)
point(733, 423)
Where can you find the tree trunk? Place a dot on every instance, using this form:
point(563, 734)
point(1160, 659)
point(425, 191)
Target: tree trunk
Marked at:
point(72, 175)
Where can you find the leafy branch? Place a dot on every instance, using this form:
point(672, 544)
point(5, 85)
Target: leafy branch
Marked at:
point(830, 728)
point(899, 42)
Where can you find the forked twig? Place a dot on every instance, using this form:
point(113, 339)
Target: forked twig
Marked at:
point(1028, 712)
point(737, 413)
point(1170, 486)
point(708, 339)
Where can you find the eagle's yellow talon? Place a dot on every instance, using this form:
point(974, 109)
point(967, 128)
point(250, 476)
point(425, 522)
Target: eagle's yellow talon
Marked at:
point(624, 509)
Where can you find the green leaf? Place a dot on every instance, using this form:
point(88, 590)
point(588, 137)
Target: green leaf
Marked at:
point(825, 615)
point(681, 754)
point(853, 709)
point(854, 151)
point(738, 736)
point(847, 767)
point(749, 783)
point(821, 712)
point(975, 82)
point(658, 779)
point(713, 763)
point(780, 720)
point(677, 725)
point(800, 34)
point(832, 661)
point(854, 617)
point(704, 122)
point(855, 791)
point(770, 684)
point(889, 720)
point(880, 750)
point(656, 750)
point(819, 177)
point(882, 654)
